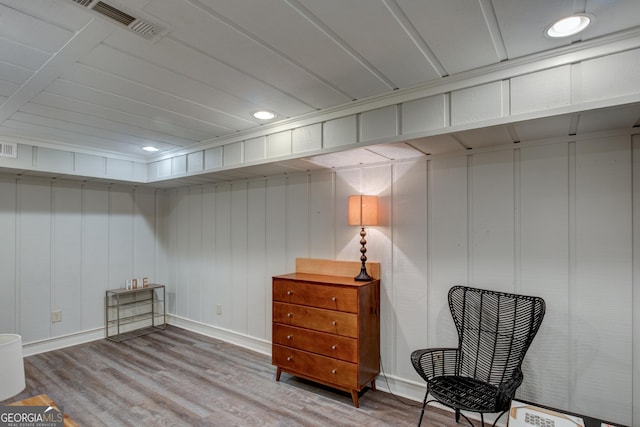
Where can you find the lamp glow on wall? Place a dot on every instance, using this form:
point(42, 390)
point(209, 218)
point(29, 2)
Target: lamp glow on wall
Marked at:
point(363, 211)
point(11, 366)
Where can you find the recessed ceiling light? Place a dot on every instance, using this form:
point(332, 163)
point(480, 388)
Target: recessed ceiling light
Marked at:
point(569, 26)
point(264, 115)
point(150, 148)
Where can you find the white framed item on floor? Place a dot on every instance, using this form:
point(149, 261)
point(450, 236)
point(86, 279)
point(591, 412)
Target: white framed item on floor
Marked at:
point(524, 414)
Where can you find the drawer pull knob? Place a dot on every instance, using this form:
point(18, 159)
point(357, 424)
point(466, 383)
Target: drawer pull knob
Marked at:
point(334, 371)
point(333, 347)
point(289, 337)
point(289, 358)
point(334, 299)
point(289, 292)
point(289, 315)
point(334, 323)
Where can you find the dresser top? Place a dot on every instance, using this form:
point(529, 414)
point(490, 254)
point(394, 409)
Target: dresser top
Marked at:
point(323, 278)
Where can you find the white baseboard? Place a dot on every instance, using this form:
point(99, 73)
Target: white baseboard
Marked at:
point(56, 343)
point(241, 340)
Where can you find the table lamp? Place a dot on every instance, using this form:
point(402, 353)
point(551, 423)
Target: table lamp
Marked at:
point(363, 211)
point(11, 366)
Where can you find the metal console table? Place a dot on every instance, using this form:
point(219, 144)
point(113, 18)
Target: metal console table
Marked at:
point(133, 312)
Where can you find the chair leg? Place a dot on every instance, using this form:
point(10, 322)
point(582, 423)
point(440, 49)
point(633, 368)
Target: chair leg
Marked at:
point(499, 416)
point(424, 404)
point(457, 415)
point(482, 419)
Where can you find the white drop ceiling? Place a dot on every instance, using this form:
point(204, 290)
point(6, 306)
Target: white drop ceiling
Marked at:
point(73, 79)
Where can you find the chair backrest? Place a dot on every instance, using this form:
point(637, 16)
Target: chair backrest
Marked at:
point(495, 330)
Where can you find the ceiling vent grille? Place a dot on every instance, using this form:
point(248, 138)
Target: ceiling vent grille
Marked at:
point(139, 26)
point(113, 13)
point(9, 149)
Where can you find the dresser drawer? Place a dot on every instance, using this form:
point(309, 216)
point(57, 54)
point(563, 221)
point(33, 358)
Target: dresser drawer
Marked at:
point(334, 322)
point(322, 368)
point(316, 295)
point(331, 345)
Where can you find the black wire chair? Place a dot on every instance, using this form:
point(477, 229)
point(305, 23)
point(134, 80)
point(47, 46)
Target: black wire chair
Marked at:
point(495, 330)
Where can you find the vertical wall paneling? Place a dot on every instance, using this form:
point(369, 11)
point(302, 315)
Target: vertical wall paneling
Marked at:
point(95, 255)
point(66, 243)
point(447, 247)
point(222, 283)
point(34, 232)
point(208, 231)
point(258, 279)
point(543, 259)
point(9, 290)
point(194, 262)
point(297, 218)
point(239, 293)
point(66, 235)
point(410, 264)
point(144, 234)
point(322, 208)
point(276, 234)
point(181, 242)
point(635, 420)
point(492, 187)
point(377, 181)
point(348, 183)
point(601, 312)
point(120, 236)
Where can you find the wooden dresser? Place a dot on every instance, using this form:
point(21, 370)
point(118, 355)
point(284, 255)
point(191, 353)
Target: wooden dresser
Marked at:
point(326, 326)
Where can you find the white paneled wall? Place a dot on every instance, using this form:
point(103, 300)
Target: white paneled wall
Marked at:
point(558, 220)
point(63, 244)
point(553, 219)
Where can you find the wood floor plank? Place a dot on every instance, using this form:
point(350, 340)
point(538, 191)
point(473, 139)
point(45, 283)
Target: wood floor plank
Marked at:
point(180, 378)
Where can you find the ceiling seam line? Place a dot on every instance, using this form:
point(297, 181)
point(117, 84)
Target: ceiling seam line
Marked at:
point(414, 35)
point(267, 46)
point(309, 16)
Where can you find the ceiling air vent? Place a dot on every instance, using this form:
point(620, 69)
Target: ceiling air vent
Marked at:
point(9, 149)
point(83, 2)
point(113, 13)
point(139, 26)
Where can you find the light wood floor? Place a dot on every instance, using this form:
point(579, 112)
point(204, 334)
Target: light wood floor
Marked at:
point(179, 378)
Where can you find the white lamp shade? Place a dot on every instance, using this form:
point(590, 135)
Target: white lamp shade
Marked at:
point(11, 366)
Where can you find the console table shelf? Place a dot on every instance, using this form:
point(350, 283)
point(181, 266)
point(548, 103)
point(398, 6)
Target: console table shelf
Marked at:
point(133, 312)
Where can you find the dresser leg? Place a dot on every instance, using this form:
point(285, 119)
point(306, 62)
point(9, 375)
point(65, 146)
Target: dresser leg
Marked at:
point(354, 396)
point(373, 384)
point(278, 372)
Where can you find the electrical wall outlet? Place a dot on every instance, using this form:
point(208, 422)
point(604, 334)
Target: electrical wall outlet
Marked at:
point(56, 316)
point(219, 309)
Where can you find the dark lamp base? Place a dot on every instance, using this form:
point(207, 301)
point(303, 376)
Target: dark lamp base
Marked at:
point(363, 276)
